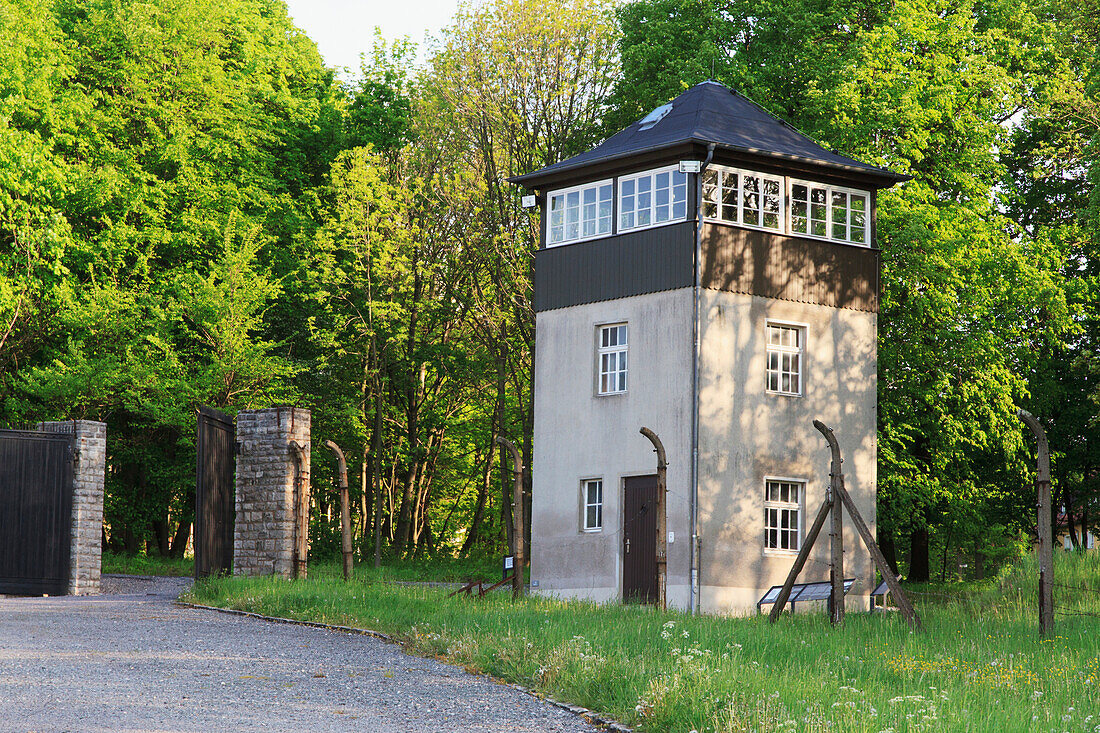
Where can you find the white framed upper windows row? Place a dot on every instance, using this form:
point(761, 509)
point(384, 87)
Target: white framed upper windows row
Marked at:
point(646, 199)
point(579, 213)
point(786, 206)
point(730, 195)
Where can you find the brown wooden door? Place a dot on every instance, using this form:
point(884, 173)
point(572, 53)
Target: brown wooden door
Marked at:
point(640, 539)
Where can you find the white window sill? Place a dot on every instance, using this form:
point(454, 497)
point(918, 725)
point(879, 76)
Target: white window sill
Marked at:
point(783, 394)
point(621, 230)
point(770, 552)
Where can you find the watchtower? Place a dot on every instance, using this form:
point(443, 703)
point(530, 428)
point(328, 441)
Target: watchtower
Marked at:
point(711, 273)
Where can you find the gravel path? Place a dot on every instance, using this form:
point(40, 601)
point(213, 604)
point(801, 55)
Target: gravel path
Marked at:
point(132, 661)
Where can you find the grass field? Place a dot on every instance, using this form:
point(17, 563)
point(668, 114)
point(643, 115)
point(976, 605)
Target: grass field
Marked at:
point(122, 563)
point(979, 665)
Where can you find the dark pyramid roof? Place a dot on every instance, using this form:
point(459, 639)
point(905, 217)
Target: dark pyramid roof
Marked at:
point(712, 113)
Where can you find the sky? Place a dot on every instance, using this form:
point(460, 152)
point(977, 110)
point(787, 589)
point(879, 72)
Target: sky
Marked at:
point(343, 29)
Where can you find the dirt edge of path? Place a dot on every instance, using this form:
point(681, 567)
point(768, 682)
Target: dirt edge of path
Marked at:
point(588, 715)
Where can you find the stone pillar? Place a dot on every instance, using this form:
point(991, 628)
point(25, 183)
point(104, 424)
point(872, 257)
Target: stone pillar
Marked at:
point(268, 478)
point(86, 533)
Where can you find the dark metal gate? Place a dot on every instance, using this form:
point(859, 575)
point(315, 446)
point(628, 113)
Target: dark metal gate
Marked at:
point(214, 478)
point(36, 499)
point(640, 539)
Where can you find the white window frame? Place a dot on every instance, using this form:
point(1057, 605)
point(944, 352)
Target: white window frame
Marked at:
point(803, 334)
point(781, 215)
point(586, 504)
point(652, 174)
point(829, 190)
point(580, 191)
point(799, 507)
point(612, 350)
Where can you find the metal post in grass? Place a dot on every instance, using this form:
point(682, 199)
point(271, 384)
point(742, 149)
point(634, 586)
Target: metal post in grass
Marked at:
point(662, 522)
point(517, 517)
point(1046, 531)
point(345, 508)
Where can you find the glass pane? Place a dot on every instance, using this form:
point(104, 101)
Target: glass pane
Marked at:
point(799, 224)
point(679, 210)
point(710, 210)
point(644, 184)
point(557, 233)
point(798, 192)
point(590, 519)
point(858, 202)
point(771, 221)
point(662, 180)
point(817, 195)
point(773, 381)
point(840, 231)
point(605, 192)
point(599, 516)
point(626, 220)
point(573, 200)
point(590, 196)
point(799, 209)
point(840, 206)
point(628, 187)
point(818, 229)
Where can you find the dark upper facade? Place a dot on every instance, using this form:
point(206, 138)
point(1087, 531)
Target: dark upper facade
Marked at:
point(782, 217)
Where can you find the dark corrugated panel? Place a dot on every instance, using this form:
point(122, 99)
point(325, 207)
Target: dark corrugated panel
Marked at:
point(35, 512)
point(790, 268)
point(648, 261)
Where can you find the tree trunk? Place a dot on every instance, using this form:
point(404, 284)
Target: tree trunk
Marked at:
point(160, 534)
point(889, 549)
point(498, 429)
point(479, 506)
point(918, 556)
point(179, 542)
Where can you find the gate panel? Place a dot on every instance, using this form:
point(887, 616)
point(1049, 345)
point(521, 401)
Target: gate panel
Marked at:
point(214, 479)
point(36, 485)
point(640, 539)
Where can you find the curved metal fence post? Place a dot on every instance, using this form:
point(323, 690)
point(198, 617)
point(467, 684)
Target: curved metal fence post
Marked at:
point(1046, 530)
point(662, 521)
point(345, 508)
point(892, 583)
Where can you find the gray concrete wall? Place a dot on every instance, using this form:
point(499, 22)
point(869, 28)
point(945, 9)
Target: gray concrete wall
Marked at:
point(580, 435)
point(267, 475)
point(747, 434)
point(89, 471)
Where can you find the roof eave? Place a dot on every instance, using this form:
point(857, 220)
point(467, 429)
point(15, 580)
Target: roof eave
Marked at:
point(527, 179)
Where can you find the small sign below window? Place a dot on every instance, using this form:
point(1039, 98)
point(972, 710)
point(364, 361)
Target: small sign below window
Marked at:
point(528, 202)
point(690, 166)
point(509, 563)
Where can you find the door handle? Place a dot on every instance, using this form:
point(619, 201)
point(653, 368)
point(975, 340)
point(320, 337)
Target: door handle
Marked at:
point(627, 546)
